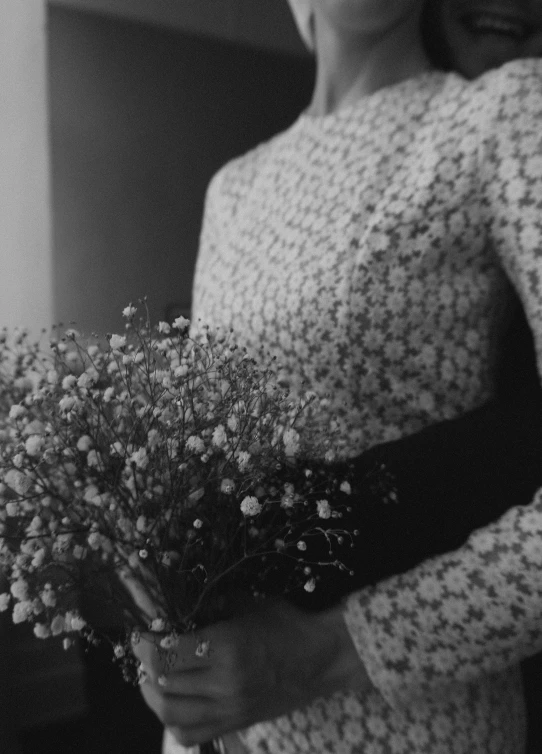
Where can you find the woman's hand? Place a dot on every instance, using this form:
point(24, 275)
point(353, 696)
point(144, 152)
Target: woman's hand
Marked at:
point(269, 661)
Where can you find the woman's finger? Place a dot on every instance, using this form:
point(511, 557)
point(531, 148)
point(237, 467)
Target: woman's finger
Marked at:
point(190, 714)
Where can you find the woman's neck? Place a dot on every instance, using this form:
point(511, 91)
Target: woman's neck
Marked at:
point(350, 67)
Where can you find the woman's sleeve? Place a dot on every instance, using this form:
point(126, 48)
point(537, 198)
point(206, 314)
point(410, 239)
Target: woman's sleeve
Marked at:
point(479, 609)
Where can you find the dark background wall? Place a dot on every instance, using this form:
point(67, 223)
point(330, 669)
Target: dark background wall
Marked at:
point(140, 120)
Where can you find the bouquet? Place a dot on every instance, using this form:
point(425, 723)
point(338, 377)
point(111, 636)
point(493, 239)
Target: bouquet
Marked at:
point(158, 462)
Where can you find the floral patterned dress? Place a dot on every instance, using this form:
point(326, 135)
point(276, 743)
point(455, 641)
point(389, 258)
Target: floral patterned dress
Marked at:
point(373, 252)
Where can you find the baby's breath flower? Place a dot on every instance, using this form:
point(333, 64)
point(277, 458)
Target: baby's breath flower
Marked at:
point(117, 342)
point(84, 443)
point(93, 459)
point(227, 486)
point(22, 611)
point(140, 458)
point(67, 403)
point(18, 481)
point(17, 412)
point(5, 600)
point(42, 630)
point(310, 585)
point(198, 523)
point(69, 381)
point(250, 506)
point(18, 460)
point(346, 488)
point(291, 441)
point(164, 328)
point(202, 650)
point(181, 323)
point(220, 437)
point(324, 509)
point(196, 444)
point(129, 311)
point(158, 625)
point(119, 651)
point(301, 545)
point(243, 460)
point(58, 625)
point(19, 589)
point(34, 444)
point(109, 394)
point(86, 380)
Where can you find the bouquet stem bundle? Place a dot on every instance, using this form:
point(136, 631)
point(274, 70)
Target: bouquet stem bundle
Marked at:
point(161, 459)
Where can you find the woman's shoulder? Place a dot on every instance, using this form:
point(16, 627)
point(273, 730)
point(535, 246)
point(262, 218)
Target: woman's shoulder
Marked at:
point(516, 85)
point(238, 174)
point(501, 96)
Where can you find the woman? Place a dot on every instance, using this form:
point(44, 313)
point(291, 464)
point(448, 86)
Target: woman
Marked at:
point(474, 37)
point(389, 214)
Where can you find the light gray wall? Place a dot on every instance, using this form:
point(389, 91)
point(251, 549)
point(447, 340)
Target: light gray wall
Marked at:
point(140, 120)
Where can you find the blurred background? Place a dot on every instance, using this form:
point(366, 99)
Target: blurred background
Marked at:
point(114, 116)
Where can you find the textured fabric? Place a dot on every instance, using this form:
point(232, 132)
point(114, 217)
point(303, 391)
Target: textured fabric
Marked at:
point(372, 252)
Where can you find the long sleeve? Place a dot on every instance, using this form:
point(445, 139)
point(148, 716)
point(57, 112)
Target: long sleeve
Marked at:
point(477, 610)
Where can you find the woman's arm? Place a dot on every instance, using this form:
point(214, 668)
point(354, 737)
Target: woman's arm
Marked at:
point(477, 610)
point(451, 479)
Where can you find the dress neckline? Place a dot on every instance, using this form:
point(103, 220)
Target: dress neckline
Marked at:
point(419, 82)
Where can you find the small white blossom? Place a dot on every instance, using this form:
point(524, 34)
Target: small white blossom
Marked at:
point(67, 403)
point(117, 342)
point(109, 394)
point(93, 459)
point(220, 438)
point(34, 444)
point(69, 381)
point(42, 631)
point(39, 558)
point(48, 596)
point(129, 311)
point(140, 458)
point(202, 650)
point(58, 625)
point(310, 585)
point(84, 443)
point(250, 506)
point(243, 460)
point(158, 625)
point(301, 545)
point(22, 611)
point(181, 324)
point(290, 439)
point(5, 599)
point(198, 523)
point(18, 481)
point(195, 443)
point(17, 412)
point(227, 486)
point(323, 508)
point(346, 488)
point(164, 328)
